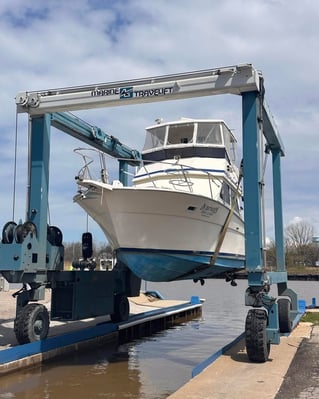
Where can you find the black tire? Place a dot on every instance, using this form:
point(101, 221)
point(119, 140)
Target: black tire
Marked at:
point(121, 308)
point(54, 236)
point(32, 323)
point(284, 306)
point(8, 232)
point(257, 346)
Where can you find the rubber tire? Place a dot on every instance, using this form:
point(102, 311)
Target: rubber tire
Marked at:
point(257, 346)
point(32, 323)
point(284, 306)
point(8, 232)
point(54, 236)
point(121, 308)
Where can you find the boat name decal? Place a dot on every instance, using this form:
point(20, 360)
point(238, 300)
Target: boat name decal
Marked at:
point(207, 210)
point(129, 92)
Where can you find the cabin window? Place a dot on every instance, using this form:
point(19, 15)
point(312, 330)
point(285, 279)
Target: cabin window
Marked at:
point(230, 144)
point(180, 134)
point(208, 133)
point(229, 196)
point(234, 199)
point(155, 137)
point(224, 193)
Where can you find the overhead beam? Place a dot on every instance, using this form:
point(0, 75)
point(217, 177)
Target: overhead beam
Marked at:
point(233, 80)
point(271, 132)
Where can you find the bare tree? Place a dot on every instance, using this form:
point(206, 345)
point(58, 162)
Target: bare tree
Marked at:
point(73, 251)
point(299, 244)
point(271, 259)
point(299, 234)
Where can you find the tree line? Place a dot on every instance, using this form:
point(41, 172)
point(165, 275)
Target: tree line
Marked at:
point(73, 252)
point(300, 251)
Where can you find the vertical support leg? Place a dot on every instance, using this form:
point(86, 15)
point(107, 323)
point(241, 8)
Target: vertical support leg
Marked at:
point(257, 342)
point(252, 189)
point(283, 289)
point(279, 235)
point(37, 207)
point(123, 175)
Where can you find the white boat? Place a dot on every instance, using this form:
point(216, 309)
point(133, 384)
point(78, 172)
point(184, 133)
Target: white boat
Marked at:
point(181, 217)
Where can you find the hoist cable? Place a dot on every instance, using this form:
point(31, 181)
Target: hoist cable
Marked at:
point(15, 167)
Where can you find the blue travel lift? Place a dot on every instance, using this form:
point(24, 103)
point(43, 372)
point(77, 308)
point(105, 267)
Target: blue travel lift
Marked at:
point(32, 252)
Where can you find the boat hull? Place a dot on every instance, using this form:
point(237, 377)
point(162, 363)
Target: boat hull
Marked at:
point(164, 235)
point(162, 266)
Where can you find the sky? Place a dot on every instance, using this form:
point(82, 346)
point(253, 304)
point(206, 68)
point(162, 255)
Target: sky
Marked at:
point(57, 43)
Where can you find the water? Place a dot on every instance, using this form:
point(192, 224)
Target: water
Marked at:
point(152, 367)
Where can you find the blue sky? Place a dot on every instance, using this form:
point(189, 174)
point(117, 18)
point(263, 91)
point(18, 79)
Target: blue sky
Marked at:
point(59, 43)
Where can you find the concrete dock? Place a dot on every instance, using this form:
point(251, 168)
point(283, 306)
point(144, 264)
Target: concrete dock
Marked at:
point(148, 314)
point(290, 373)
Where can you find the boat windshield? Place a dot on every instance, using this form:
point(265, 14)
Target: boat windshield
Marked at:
point(154, 137)
point(209, 133)
point(180, 133)
point(230, 144)
point(212, 133)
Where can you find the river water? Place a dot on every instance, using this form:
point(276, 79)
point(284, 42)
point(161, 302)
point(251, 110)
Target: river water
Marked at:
point(152, 367)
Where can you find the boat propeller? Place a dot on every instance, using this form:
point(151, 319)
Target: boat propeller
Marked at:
point(230, 278)
point(202, 281)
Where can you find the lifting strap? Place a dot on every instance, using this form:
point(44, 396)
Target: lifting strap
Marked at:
point(224, 228)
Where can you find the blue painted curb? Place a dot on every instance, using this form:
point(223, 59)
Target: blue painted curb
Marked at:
point(23, 351)
point(34, 348)
point(201, 366)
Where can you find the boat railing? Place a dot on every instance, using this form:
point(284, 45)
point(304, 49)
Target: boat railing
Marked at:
point(86, 172)
point(179, 176)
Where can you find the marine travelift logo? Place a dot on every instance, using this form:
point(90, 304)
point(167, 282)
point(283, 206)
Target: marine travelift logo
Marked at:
point(126, 92)
point(129, 92)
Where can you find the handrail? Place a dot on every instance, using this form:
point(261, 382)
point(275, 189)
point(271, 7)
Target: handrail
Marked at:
point(179, 170)
point(212, 179)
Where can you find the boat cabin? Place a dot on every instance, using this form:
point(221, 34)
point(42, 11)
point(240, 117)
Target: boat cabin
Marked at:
point(190, 138)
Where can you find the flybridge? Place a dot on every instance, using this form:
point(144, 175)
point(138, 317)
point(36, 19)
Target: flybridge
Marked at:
point(234, 80)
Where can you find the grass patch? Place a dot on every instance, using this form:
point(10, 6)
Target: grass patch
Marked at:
point(311, 317)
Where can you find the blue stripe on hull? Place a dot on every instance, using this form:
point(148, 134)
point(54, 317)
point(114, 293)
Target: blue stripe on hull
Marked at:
point(160, 266)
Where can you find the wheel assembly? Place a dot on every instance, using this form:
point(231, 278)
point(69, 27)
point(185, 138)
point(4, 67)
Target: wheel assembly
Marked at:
point(285, 324)
point(257, 345)
point(32, 323)
point(121, 308)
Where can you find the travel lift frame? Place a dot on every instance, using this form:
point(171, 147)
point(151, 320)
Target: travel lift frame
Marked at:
point(32, 253)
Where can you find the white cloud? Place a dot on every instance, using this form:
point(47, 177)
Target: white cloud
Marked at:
point(296, 220)
point(56, 44)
